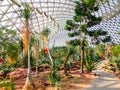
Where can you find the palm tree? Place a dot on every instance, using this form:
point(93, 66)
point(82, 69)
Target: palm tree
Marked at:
point(35, 51)
point(25, 31)
point(44, 34)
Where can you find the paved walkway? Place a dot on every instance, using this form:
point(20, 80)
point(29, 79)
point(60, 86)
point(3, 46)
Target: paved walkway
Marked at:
point(106, 81)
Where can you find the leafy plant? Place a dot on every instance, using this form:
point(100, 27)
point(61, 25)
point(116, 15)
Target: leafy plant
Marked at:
point(91, 60)
point(82, 20)
point(9, 43)
point(54, 76)
point(71, 51)
point(116, 50)
point(9, 85)
point(26, 12)
point(116, 60)
point(89, 64)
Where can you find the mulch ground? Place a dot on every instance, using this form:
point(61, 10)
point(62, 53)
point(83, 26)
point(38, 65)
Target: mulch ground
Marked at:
point(75, 81)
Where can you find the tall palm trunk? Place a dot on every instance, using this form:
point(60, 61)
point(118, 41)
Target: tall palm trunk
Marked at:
point(29, 85)
point(65, 64)
point(45, 40)
point(25, 38)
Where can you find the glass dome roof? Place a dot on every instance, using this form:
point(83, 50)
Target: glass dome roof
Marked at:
point(54, 13)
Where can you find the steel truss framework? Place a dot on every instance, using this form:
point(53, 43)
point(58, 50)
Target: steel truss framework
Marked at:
point(54, 13)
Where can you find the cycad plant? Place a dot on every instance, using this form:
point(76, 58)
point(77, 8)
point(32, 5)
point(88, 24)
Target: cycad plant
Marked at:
point(25, 31)
point(91, 60)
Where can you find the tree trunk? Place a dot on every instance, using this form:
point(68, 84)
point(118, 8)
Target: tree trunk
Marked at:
point(29, 85)
point(65, 65)
point(36, 72)
point(82, 57)
point(37, 57)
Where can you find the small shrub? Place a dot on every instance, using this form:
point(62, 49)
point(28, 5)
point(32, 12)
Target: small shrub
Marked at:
point(5, 82)
point(54, 76)
point(89, 64)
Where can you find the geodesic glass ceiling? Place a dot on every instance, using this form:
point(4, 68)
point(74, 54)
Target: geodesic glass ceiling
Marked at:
point(54, 13)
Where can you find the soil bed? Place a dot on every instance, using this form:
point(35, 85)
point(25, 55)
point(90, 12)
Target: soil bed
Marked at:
point(76, 81)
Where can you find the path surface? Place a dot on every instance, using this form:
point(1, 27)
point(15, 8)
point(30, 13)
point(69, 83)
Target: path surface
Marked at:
point(106, 81)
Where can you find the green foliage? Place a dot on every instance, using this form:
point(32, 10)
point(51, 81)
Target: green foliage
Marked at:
point(71, 50)
point(97, 33)
point(96, 36)
point(54, 76)
point(9, 42)
point(75, 42)
point(46, 32)
point(94, 20)
point(89, 3)
point(118, 62)
point(17, 63)
point(100, 49)
point(96, 8)
point(115, 60)
point(80, 12)
point(13, 50)
point(83, 12)
point(33, 39)
point(6, 83)
point(91, 60)
point(83, 19)
point(68, 27)
point(5, 68)
point(77, 18)
point(75, 33)
point(69, 63)
point(25, 60)
point(89, 64)
point(107, 39)
point(116, 50)
point(45, 60)
point(70, 24)
point(83, 28)
point(26, 12)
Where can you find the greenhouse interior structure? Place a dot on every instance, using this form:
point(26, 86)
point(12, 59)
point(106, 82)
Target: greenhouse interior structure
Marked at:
point(59, 44)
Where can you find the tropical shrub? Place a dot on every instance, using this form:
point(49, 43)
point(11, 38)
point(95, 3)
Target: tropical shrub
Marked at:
point(54, 76)
point(116, 50)
point(91, 60)
point(9, 44)
point(6, 83)
point(89, 64)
